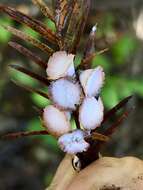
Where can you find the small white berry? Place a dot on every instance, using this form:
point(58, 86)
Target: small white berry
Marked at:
point(92, 80)
point(60, 64)
point(56, 122)
point(91, 113)
point(73, 143)
point(65, 93)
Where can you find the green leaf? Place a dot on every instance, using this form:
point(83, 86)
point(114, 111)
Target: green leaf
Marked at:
point(5, 35)
point(30, 32)
point(50, 24)
point(22, 78)
point(77, 60)
point(110, 96)
point(39, 100)
point(73, 124)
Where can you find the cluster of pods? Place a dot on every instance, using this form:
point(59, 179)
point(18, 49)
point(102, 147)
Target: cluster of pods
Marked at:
point(70, 91)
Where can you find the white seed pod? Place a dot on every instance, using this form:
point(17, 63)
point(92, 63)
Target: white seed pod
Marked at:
point(91, 113)
point(56, 122)
point(92, 80)
point(101, 104)
point(65, 93)
point(73, 143)
point(60, 64)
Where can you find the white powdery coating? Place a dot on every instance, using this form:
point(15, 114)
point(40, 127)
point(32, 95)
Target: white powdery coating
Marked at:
point(73, 143)
point(91, 113)
point(60, 64)
point(65, 93)
point(92, 80)
point(55, 121)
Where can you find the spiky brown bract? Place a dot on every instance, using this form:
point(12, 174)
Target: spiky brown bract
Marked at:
point(44, 9)
point(30, 22)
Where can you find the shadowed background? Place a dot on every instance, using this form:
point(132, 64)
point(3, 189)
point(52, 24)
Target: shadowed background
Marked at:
point(28, 163)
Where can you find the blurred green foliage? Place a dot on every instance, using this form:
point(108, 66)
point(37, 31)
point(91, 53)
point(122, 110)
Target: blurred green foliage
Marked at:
point(5, 35)
point(123, 49)
point(35, 124)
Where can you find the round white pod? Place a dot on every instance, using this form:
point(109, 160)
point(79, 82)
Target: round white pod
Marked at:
point(73, 143)
point(56, 121)
point(65, 94)
point(91, 113)
point(60, 64)
point(92, 81)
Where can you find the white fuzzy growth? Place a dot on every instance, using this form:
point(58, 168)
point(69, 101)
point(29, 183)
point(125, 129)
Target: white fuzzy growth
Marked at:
point(65, 93)
point(92, 80)
point(60, 64)
point(55, 121)
point(94, 28)
point(91, 113)
point(73, 143)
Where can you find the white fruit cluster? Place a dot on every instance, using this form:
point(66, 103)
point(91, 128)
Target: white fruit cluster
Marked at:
point(67, 94)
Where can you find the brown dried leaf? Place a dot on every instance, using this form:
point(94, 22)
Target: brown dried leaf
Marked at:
point(29, 39)
point(29, 54)
point(31, 74)
point(85, 63)
point(100, 137)
point(23, 134)
point(31, 89)
point(90, 44)
point(72, 21)
point(113, 111)
point(113, 127)
point(32, 23)
point(84, 10)
point(44, 9)
point(60, 14)
point(110, 130)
